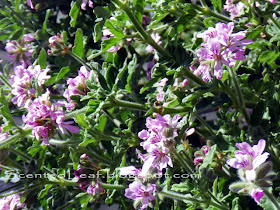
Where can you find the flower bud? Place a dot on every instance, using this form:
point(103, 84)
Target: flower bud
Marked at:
point(238, 187)
point(264, 183)
point(263, 170)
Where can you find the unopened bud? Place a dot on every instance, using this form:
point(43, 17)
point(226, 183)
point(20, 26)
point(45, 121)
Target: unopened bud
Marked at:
point(238, 187)
point(263, 170)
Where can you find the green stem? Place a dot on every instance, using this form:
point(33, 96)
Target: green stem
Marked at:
point(194, 78)
point(129, 105)
point(216, 201)
point(207, 11)
point(239, 93)
point(75, 113)
point(112, 186)
point(272, 198)
point(183, 162)
point(140, 29)
point(231, 94)
point(5, 81)
point(177, 196)
point(20, 135)
point(274, 21)
point(204, 123)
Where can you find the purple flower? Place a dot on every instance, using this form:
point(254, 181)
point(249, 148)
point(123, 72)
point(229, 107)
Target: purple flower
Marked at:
point(129, 170)
point(249, 158)
point(20, 51)
point(84, 4)
point(45, 117)
point(221, 47)
point(11, 202)
point(257, 194)
point(95, 189)
point(157, 157)
point(23, 90)
point(139, 192)
point(29, 3)
point(77, 86)
point(233, 8)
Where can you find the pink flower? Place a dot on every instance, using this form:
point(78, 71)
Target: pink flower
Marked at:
point(29, 3)
point(20, 51)
point(249, 158)
point(257, 194)
point(11, 202)
point(129, 170)
point(221, 47)
point(77, 86)
point(95, 189)
point(233, 8)
point(139, 192)
point(157, 157)
point(45, 117)
point(84, 4)
point(22, 81)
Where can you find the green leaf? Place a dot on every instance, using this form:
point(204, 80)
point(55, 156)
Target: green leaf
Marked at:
point(74, 13)
point(209, 158)
point(183, 187)
point(78, 44)
point(42, 60)
point(117, 32)
point(101, 123)
point(97, 32)
point(44, 191)
point(254, 32)
point(235, 204)
point(217, 5)
point(139, 9)
point(102, 12)
point(81, 120)
point(131, 69)
point(74, 157)
point(63, 71)
point(268, 57)
point(5, 111)
point(44, 28)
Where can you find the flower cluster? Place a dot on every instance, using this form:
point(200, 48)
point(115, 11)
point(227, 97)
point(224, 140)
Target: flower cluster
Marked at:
point(20, 51)
point(252, 169)
point(86, 167)
point(45, 117)
point(221, 47)
point(77, 86)
point(23, 90)
point(158, 141)
point(57, 45)
point(234, 8)
point(11, 202)
point(141, 194)
point(200, 155)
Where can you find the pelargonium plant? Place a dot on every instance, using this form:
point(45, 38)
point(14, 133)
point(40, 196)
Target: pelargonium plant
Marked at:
point(139, 104)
